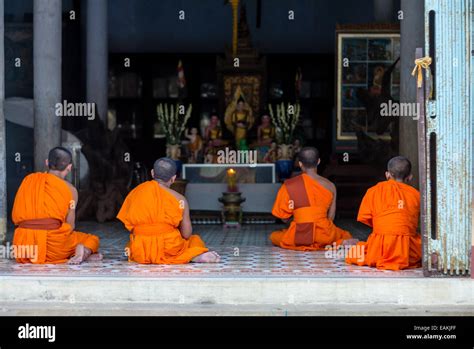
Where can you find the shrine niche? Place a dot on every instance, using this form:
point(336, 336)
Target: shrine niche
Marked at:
point(239, 118)
point(247, 87)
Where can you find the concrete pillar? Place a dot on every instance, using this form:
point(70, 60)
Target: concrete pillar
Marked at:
point(3, 165)
point(383, 11)
point(47, 30)
point(412, 36)
point(97, 56)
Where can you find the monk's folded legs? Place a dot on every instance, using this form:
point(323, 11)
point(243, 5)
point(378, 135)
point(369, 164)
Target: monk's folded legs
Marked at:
point(206, 257)
point(276, 237)
point(85, 248)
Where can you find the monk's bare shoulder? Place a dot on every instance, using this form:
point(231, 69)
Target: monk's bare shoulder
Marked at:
point(73, 188)
point(75, 194)
point(177, 195)
point(326, 183)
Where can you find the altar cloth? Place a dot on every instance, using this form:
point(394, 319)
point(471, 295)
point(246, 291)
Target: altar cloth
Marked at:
point(259, 197)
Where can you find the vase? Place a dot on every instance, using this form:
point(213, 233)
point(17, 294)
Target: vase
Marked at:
point(284, 168)
point(173, 151)
point(285, 152)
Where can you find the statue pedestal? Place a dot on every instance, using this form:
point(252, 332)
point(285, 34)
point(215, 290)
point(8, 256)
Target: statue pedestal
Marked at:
point(231, 211)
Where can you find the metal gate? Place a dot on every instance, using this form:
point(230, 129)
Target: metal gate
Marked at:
point(445, 132)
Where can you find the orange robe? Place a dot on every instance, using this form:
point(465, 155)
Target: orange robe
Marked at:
point(308, 202)
point(44, 199)
point(392, 209)
point(152, 215)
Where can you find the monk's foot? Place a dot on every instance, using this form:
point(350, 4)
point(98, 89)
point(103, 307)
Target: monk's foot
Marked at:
point(218, 257)
point(350, 242)
point(80, 255)
point(95, 257)
point(207, 257)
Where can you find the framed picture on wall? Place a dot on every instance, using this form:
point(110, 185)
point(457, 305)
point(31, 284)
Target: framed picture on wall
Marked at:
point(363, 57)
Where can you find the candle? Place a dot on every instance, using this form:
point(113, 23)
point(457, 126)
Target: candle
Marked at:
point(231, 180)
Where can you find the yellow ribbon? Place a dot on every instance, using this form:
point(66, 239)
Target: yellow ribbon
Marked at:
point(420, 64)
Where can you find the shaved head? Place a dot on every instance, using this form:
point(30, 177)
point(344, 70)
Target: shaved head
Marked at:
point(59, 158)
point(399, 167)
point(309, 157)
point(164, 169)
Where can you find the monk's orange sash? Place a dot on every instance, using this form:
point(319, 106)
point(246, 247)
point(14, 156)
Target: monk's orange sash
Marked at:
point(41, 224)
point(393, 223)
point(302, 211)
point(308, 214)
point(152, 229)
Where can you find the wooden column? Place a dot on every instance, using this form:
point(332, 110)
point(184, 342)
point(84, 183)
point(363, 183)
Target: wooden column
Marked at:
point(412, 36)
point(47, 57)
point(3, 165)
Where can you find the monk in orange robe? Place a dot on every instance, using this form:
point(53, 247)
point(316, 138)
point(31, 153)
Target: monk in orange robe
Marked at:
point(311, 200)
point(44, 216)
point(392, 209)
point(159, 222)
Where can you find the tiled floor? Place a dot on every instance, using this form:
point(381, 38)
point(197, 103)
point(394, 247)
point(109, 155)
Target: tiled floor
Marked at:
point(245, 253)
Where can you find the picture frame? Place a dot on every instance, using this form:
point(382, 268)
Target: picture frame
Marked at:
point(362, 57)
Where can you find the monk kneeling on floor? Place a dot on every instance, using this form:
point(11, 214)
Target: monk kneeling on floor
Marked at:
point(392, 209)
point(311, 200)
point(159, 222)
point(44, 216)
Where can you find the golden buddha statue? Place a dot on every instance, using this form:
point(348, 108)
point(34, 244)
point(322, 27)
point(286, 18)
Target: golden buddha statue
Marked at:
point(239, 118)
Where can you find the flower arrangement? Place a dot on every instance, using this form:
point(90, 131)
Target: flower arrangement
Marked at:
point(285, 121)
point(173, 120)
